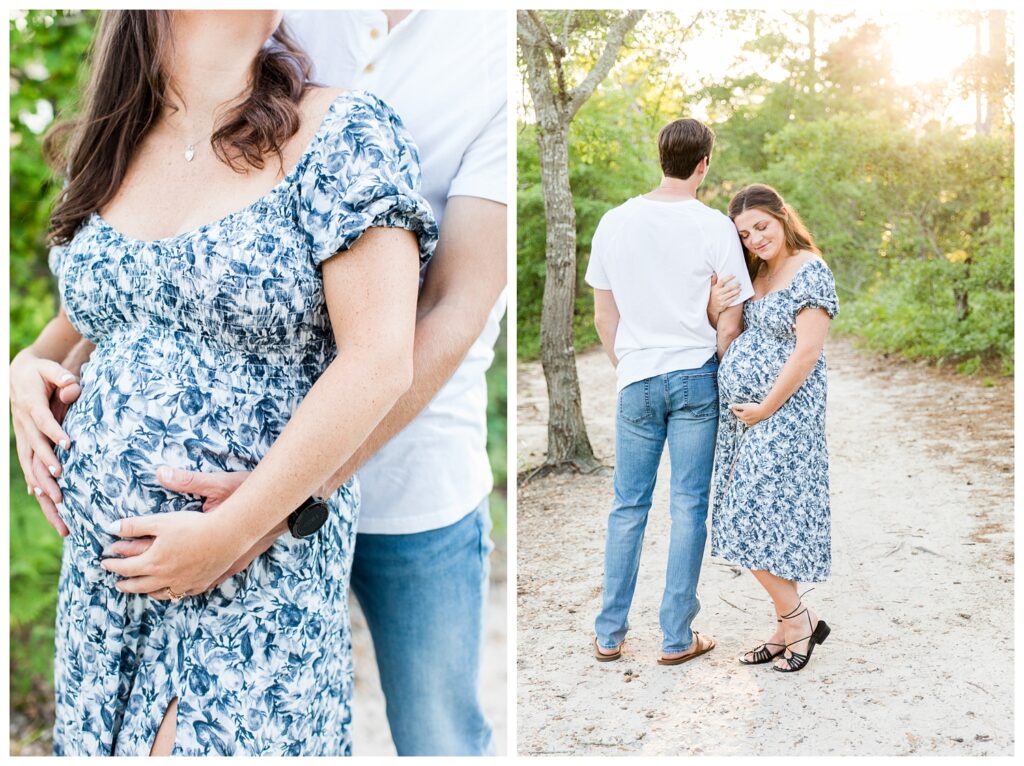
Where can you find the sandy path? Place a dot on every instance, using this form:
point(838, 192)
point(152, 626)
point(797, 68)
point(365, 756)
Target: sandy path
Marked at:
point(922, 512)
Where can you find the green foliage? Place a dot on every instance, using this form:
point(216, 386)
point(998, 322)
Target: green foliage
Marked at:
point(912, 313)
point(914, 217)
point(47, 49)
point(497, 433)
point(35, 564)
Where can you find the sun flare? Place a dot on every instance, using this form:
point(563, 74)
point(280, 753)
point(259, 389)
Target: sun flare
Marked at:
point(927, 48)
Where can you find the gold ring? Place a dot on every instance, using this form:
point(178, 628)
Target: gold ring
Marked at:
point(174, 596)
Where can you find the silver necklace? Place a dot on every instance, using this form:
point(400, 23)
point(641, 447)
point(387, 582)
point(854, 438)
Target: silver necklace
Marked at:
point(190, 152)
point(190, 149)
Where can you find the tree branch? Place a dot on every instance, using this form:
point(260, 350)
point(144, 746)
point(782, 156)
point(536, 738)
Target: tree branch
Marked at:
point(614, 41)
point(531, 34)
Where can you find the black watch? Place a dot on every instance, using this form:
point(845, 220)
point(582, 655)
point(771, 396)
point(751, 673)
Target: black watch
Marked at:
point(308, 518)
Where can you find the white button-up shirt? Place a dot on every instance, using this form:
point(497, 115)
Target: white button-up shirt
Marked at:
point(444, 72)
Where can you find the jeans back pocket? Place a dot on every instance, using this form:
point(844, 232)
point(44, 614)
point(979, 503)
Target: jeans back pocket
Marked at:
point(635, 402)
point(702, 395)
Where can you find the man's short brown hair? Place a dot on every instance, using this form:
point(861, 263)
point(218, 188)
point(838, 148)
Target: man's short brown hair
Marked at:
point(682, 144)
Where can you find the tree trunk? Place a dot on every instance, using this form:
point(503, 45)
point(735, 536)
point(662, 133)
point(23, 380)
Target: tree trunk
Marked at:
point(554, 106)
point(568, 442)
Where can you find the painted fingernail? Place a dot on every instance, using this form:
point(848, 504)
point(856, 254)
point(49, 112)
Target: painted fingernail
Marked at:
point(63, 443)
point(108, 551)
point(29, 488)
point(113, 527)
point(38, 491)
point(66, 377)
point(53, 470)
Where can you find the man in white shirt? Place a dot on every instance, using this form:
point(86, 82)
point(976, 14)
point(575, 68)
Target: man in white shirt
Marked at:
point(651, 264)
point(420, 570)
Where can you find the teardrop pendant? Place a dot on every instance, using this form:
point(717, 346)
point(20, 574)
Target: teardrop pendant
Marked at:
point(190, 153)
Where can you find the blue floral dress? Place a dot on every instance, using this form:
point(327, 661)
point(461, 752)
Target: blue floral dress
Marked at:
point(770, 506)
point(206, 343)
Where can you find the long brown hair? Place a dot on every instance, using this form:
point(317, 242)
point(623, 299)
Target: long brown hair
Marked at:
point(129, 86)
point(765, 198)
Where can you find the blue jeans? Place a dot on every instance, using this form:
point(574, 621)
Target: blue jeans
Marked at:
point(682, 408)
point(423, 595)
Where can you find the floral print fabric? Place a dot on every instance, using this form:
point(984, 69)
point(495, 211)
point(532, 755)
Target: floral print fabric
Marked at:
point(206, 343)
point(770, 506)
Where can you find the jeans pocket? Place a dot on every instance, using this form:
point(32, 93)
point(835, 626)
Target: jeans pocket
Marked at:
point(702, 395)
point(635, 402)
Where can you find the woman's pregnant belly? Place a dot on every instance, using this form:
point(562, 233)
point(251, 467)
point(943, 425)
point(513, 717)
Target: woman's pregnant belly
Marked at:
point(750, 368)
point(132, 418)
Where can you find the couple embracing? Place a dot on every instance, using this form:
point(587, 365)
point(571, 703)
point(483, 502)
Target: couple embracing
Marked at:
point(716, 327)
point(241, 241)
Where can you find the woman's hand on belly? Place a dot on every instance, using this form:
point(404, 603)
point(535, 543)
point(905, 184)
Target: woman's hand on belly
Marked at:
point(189, 551)
point(214, 488)
point(751, 413)
point(41, 391)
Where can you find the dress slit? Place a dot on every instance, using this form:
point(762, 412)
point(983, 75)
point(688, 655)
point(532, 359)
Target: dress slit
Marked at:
point(169, 720)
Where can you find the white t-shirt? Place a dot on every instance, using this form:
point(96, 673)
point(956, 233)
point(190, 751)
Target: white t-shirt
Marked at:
point(657, 259)
point(444, 72)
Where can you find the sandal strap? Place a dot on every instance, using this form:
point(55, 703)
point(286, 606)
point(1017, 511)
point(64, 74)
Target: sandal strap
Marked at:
point(800, 603)
point(795, 660)
point(797, 611)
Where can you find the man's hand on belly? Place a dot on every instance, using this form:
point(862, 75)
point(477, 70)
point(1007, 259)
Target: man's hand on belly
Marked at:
point(214, 488)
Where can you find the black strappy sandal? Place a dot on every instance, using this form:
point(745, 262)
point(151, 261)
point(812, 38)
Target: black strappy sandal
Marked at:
point(820, 632)
point(762, 654)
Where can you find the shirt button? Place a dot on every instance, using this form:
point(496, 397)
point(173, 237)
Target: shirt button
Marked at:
point(369, 68)
point(374, 33)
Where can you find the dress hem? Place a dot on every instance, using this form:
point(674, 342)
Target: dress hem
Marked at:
point(745, 562)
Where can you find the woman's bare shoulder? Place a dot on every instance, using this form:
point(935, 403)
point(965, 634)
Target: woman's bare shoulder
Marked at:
point(315, 103)
point(806, 256)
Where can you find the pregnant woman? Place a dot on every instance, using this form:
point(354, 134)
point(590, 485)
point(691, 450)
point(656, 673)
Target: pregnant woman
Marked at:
point(243, 250)
point(770, 491)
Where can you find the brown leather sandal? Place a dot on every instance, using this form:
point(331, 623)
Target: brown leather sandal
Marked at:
point(602, 657)
point(704, 644)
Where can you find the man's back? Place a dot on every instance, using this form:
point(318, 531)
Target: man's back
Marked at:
point(657, 257)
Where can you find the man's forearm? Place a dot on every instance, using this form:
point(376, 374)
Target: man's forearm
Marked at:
point(462, 283)
point(730, 325)
point(606, 332)
point(443, 338)
point(78, 356)
point(724, 340)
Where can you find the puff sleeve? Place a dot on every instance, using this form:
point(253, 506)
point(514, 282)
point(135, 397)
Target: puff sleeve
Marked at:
point(364, 171)
point(54, 258)
point(815, 287)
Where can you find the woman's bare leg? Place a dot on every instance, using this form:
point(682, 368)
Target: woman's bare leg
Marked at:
point(792, 631)
point(163, 744)
point(780, 592)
